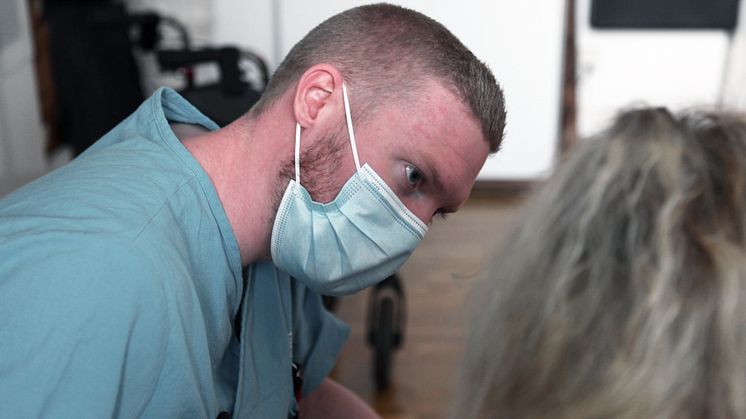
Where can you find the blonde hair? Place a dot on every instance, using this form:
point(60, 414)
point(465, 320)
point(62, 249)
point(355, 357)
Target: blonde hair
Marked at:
point(622, 292)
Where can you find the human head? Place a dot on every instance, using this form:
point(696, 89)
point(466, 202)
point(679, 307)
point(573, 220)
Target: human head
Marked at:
point(387, 53)
point(622, 293)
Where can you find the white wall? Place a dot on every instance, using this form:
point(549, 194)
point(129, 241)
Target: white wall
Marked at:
point(21, 132)
point(734, 86)
point(196, 14)
point(248, 24)
point(622, 68)
point(521, 41)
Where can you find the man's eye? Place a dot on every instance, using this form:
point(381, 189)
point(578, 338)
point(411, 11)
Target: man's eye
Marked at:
point(414, 177)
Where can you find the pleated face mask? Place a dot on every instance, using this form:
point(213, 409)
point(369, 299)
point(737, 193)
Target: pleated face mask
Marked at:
point(361, 237)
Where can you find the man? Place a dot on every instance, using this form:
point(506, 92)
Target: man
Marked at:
point(175, 269)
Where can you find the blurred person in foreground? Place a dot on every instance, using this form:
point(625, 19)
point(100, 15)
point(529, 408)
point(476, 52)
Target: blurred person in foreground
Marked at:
point(622, 293)
point(175, 270)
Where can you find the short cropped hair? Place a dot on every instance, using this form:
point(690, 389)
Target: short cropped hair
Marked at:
point(386, 52)
point(622, 293)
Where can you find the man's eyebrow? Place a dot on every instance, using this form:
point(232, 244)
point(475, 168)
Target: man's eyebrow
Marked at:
point(439, 188)
point(435, 177)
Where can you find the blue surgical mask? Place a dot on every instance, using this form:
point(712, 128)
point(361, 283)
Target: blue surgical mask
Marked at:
point(364, 235)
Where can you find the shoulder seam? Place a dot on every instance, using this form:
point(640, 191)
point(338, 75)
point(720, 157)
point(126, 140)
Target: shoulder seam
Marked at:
point(178, 189)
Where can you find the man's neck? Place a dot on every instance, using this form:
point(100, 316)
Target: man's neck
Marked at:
point(242, 161)
point(185, 131)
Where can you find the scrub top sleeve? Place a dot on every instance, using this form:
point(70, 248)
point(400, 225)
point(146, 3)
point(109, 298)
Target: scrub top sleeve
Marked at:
point(319, 337)
point(82, 336)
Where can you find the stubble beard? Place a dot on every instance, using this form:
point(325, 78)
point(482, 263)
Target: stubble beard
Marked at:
point(318, 167)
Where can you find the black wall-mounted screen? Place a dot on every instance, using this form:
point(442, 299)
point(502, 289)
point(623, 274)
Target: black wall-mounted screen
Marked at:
point(664, 14)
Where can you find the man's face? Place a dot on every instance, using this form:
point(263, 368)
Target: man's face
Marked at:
point(429, 151)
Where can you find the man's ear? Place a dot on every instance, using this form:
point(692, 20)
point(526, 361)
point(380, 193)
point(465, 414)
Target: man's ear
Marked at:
point(315, 92)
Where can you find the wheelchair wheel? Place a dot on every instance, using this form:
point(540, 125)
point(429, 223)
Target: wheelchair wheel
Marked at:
point(385, 327)
point(384, 344)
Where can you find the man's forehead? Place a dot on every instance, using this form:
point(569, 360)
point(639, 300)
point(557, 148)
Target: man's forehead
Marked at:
point(449, 134)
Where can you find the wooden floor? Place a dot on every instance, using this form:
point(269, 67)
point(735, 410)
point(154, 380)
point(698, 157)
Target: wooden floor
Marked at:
point(436, 280)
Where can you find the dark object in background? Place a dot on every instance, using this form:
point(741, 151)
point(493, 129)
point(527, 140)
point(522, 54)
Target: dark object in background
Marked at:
point(664, 14)
point(385, 327)
point(96, 80)
point(231, 96)
point(222, 101)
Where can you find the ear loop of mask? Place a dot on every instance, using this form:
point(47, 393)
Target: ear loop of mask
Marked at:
point(351, 132)
point(297, 153)
point(348, 117)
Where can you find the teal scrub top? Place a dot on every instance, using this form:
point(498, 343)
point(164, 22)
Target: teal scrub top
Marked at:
point(122, 292)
